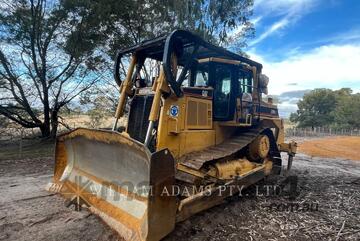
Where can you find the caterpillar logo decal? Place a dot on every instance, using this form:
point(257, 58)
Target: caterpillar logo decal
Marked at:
point(174, 111)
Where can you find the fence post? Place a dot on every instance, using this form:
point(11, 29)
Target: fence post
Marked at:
point(21, 142)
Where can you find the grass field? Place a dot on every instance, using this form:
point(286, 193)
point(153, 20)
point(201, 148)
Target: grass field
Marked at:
point(34, 148)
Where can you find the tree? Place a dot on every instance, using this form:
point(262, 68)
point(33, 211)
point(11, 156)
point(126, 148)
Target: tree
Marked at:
point(347, 111)
point(54, 50)
point(46, 60)
point(100, 108)
point(315, 109)
point(324, 107)
point(132, 21)
point(221, 22)
point(224, 23)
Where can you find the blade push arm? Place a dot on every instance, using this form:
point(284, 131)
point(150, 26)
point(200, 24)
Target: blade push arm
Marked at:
point(125, 90)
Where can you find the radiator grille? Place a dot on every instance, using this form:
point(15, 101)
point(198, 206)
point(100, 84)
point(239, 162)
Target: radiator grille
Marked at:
point(199, 114)
point(192, 113)
point(139, 116)
point(202, 114)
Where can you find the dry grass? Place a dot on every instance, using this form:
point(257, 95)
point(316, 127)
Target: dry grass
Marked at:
point(35, 148)
point(347, 147)
point(74, 121)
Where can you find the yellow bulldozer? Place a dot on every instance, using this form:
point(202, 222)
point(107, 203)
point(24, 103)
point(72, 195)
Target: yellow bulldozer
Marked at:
point(197, 126)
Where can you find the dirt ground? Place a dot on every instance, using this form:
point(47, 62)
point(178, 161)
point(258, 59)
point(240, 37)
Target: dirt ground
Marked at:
point(343, 147)
point(28, 212)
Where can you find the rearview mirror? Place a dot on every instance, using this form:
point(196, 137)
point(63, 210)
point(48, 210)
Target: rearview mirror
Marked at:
point(263, 82)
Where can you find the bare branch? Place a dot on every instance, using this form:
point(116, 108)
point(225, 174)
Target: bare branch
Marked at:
point(70, 74)
point(17, 118)
point(32, 77)
point(13, 81)
point(63, 71)
point(67, 99)
point(32, 38)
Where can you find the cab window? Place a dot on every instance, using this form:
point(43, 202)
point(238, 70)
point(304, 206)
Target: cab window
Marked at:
point(245, 82)
point(201, 78)
point(222, 92)
point(186, 81)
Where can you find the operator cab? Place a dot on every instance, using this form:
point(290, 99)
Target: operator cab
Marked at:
point(197, 85)
point(232, 85)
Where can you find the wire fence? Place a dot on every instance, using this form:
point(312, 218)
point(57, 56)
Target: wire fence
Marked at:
point(320, 131)
point(16, 133)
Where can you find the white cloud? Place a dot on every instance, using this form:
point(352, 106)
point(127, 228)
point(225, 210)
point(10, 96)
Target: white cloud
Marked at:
point(275, 27)
point(256, 21)
point(349, 35)
point(289, 12)
point(330, 66)
point(283, 7)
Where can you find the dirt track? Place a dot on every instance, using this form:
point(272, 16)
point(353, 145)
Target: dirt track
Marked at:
point(342, 146)
point(28, 212)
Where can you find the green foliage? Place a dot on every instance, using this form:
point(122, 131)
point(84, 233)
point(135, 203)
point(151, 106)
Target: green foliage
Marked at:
point(125, 23)
point(347, 111)
point(52, 51)
point(294, 117)
point(324, 107)
point(315, 108)
point(101, 108)
point(213, 20)
point(96, 117)
point(47, 58)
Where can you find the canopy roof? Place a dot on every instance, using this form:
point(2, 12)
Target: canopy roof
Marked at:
point(188, 48)
point(155, 48)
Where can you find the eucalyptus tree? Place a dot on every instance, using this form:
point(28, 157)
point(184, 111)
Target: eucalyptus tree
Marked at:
point(53, 51)
point(47, 59)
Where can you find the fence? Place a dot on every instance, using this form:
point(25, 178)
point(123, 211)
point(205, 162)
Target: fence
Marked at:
point(18, 133)
point(321, 131)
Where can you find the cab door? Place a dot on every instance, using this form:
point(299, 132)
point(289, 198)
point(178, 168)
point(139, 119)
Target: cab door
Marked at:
point(222, 80)
point(244, 89)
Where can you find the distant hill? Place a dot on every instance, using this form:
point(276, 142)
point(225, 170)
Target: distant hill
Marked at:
point(292, 95)
point(287, 101)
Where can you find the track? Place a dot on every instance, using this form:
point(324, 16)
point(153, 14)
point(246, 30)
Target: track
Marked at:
point(232, 148)
point(228, 148)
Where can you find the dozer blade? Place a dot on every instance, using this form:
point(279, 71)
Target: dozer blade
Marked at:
point(119, 179)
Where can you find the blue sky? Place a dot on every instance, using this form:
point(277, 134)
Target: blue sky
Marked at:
point(306, 44)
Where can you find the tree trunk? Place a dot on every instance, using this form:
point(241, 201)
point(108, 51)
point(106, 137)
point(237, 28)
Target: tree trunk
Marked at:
point(45, 130)
point(54, 123)
point(49, 128)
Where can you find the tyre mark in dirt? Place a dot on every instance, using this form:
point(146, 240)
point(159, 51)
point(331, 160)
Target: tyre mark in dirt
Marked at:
point(36, 197)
